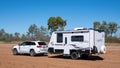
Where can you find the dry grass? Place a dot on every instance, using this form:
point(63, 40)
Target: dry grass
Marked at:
point(112, 44)
point(8, 60)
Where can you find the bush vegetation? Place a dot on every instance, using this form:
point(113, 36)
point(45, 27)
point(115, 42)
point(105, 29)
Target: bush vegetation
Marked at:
point(56, 24)
point(112, 40)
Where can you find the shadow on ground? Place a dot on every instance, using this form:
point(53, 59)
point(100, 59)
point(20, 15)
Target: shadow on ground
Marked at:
point(93, 58)
point(40, 55)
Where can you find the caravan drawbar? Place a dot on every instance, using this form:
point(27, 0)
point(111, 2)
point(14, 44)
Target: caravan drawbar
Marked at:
point(77, 43)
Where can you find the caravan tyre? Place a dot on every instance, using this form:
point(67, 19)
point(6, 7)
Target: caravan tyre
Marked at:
point(74, 55)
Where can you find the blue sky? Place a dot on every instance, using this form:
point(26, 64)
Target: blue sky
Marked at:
point(18, 15)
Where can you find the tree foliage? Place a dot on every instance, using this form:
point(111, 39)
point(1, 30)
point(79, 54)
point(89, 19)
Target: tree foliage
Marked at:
point(113, 27)
point(110, 28)
point(37, 33)
point(96, 25)
point(32, 30)
point(34, 33)
point(16, 36)
point(56, 23)
point(2, 33)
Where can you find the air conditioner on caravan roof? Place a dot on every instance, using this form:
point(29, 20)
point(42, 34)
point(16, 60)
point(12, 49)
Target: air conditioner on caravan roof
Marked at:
point(80, 28)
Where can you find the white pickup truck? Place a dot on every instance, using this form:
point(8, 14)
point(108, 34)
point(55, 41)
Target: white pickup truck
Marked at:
point(30, 47)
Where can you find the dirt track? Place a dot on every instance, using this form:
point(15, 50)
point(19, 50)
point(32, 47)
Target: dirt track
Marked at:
point(109, 60)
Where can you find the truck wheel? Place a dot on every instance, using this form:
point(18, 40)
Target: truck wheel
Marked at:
point(15, 52)
point(32, 53)
point(74, 55)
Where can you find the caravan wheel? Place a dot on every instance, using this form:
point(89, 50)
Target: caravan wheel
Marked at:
point(74, 55)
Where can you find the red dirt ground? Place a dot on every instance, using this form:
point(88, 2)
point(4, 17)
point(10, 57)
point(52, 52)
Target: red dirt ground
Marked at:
point(109, 60)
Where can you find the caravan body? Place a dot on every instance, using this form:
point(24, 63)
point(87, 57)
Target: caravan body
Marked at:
point(81, 42)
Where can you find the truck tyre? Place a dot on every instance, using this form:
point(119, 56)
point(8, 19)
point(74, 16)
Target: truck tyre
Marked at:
point(74, 55)
point(32, 53)
point(15, 52)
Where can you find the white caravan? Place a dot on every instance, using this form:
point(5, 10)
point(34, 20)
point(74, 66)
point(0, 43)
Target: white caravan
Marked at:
point(77, 43)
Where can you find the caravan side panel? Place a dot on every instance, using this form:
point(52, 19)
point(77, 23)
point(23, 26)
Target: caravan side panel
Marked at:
point(99, 40)
point(91, 38)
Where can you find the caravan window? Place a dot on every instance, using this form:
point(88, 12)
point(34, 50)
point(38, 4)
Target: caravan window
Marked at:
point(59, 37)
point(77, 38)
